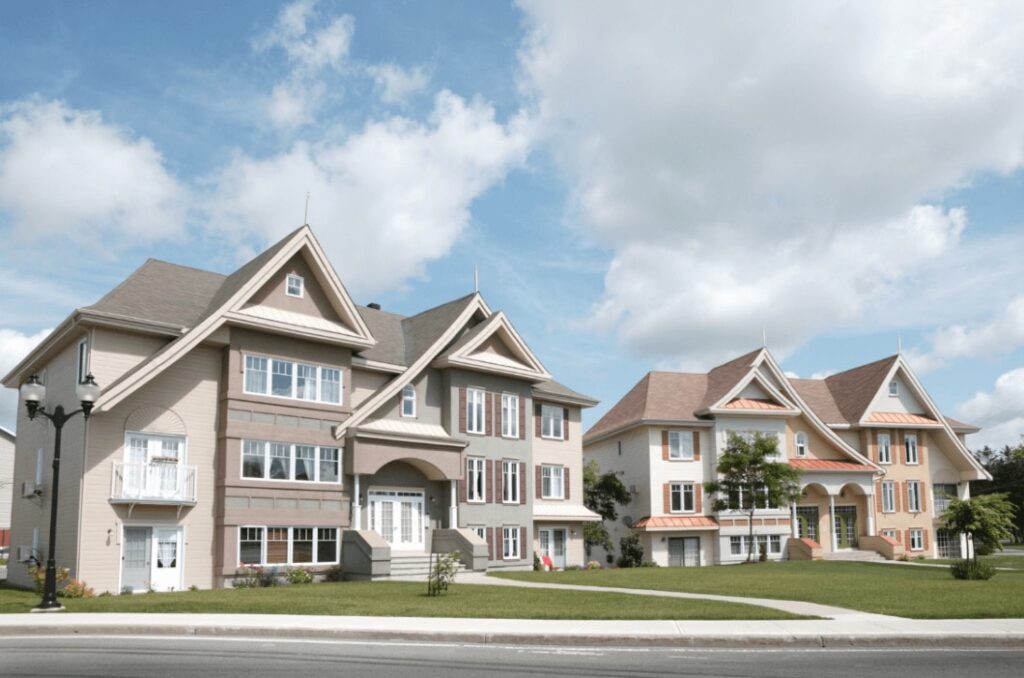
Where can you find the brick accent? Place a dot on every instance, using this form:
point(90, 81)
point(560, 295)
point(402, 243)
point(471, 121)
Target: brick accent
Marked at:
point(462, 409)
point(908, 542)
point(565, 480)
point(565, 423)
point(896, 506)
point(664, 445)
point(522, 543)
point(498, 403)
point(522, 483)
point(666, 495)
point(878, 498)
point(537, 481)
point(488, 413)
point(922, 490)
point(489, 481)
point(489, 533)
point(536, 419)
point(696, 445)
point(522, 418)
point(924, 538)
point(698, 498)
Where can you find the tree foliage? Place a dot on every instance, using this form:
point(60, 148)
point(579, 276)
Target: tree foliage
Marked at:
point(602, 493)
point(749, 478)
point(988, 520)
point(1007, 469)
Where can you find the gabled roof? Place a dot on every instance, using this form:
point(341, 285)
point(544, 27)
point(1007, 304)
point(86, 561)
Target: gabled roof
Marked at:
point(658, 396)
point(854, 389)
point(816, 394)
point(724, 378)
point(7, 433)
point(556, 392)
point(467, 351)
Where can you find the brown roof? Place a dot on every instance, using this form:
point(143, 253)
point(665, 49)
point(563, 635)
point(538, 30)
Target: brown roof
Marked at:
point(816, 394)
point(722, 378)
point(854, 389)
point(961, 426)
point(658, 396)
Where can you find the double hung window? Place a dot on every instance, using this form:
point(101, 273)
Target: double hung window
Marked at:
point(510, 543)
point(552, 422)
point(888, 496)
point(552, 483)
point(409, 401)
point(509, 415)
point(884, 448)
point(914, 496)
point(916, 539)
point(510, 482)
point(910, 443)
point(262, 460)
point(288, 379)
point(680, 445)
point(474, 410)
point(475, 479)
point(681, 497)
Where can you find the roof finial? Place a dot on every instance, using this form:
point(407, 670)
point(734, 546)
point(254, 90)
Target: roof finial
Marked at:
point(899, 345)
point(764, 337)
point(476, 279)
point(305, 214)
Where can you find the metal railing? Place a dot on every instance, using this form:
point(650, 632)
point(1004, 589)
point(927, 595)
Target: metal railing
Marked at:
point(156, 482)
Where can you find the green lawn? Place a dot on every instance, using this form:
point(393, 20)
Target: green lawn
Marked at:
point(1012, 562)
point(919, 592)
point(401, 599)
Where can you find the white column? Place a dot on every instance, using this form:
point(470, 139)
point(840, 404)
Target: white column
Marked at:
point(871, 513)
point(792, 520)
point(453, 507)
point(357, 508)
point(832, 523)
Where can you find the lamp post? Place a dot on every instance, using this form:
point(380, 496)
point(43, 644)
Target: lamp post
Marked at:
point(33, 393)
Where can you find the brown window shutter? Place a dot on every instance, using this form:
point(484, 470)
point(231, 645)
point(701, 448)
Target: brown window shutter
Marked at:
point(698, 499)
point(488, 402)
point(922, 449)
point(696, 445)
point(522, 418)
point(536, 420)
point(896, 497)
point(667, 496)
point(537, 481)
point(908, 542)
point(878, 498)
point(523, 551)
point(896, 448)
point(522, 483)
point(565, 423)
point(924, 538)
point(497, 414)
point(923, 493)
point(499, 543)
point(899, 537)
point(906, 496)
point(489, 480)
point(565, 479)
point(664, 445)
point(462, 409)
point(489, 533)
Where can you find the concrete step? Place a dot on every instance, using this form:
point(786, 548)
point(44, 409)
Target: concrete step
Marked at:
point(414, 565)
point(853, 554)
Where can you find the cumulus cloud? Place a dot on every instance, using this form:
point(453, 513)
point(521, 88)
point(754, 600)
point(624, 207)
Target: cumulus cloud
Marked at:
point(66, 172)
point(386, 199)
point(748, 174)
point(13, 347)
point(397, 84)
point(1000, 412)
point(1000, 335)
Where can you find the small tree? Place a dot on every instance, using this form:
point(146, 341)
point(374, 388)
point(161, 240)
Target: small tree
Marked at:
point(631, 551)
point(601, 494)
point(987, 519)
point(749, 479)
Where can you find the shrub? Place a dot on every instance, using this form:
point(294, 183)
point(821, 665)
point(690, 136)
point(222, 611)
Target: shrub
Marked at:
point(983, 549)
point(632, 553)
point(193, 588)
point(573, 568)
point(972, 569)
point(247, 577)
point(537, 567)
point(648, 563)
point(39, 577)
point(443, 573)
point(593, 565)
point(299, 575)
point(762, 555)
point(335, 573)
point(76, 588)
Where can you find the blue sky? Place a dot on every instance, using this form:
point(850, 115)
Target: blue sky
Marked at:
point(642, 188)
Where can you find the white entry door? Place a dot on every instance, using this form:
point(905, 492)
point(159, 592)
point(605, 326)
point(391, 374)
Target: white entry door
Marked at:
point(151, 559)
point(552, 545)
point(397, 516)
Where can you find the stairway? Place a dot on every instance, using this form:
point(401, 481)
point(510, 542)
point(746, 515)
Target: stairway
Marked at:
point(414, 566)
point(858, 555)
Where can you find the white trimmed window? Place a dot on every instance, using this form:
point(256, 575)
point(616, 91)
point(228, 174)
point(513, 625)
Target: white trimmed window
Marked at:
point(552, 422)
point(82, 360)
point(888, 496)
point(736, 546)
point(474, 410)
point(681, 497)
point(680, 445)
point(510, 482)
point(287, 379)
point(910, 443)
point(801, 444)
point(260, 545)
point(509, 415)
point(916, 539)
point(552, 485)
point(409, 401)
point(891, 534)
point(942, 495)
point(894, 388)
point(510, 543)
point(475, 479)
point(884, 448)
point(294, 286)
point(480, 531)
point(263, 460)
point(914, 496)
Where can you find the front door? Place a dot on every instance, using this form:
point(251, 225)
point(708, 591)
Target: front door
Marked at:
point(684, 552)
point(552, 545)
point(136, 559)
point(166, 559)
point(397, 516)
point(846, 527)
point(807, 522)
point(151, 559)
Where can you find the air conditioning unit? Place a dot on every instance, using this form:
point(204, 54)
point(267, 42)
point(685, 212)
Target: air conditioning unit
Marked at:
point(31, 489)
point(24, 554)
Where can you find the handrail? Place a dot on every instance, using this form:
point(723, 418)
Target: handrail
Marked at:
point(153, 482)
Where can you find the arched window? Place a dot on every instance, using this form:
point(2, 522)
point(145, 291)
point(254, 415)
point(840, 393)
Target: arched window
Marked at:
point(409, 401)
point(801, 444)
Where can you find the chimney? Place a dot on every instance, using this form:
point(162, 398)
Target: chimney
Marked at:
point(374, 305)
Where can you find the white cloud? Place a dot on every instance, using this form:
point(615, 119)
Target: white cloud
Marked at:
point(1000, 335)
point(13, 347)
point(385, 200)
point(748, 174)
point(397, 84)
point(1000, 412)
point(65, 172)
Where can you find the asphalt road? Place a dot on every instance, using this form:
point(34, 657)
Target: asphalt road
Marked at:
point(112, 657)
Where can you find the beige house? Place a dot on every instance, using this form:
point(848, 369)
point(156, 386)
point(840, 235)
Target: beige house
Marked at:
point(6, 486)
point(263, 418)
point(879, 462)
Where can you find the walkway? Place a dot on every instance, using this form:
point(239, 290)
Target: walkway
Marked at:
point(791, 606)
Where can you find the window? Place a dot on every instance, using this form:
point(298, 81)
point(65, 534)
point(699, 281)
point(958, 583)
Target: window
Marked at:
point(287, 545)
point(475, 479)
point(888, 496)
point(736, 546)
point(914, 496)
point(894, 388)
point(916, 539)
point(942, 495)
point(286, 379)
point(681, 497)
point(552, 486)
point(474, 410)
point(891, 534)
point(737, 500)
point(771, 543)
point(775, 544)
point(947, 543)
point(409, 401)
point(910, 443)
point(552, 422)
point(480, 532)
point(510, 482)
point(294, 285)
point(884, 449)
point(510, 543)
point(263, 460)
point(680, 445)
point(83, 360)
point(801, 444)
point(509, 415)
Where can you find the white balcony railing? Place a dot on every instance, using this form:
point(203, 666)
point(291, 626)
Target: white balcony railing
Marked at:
point(153, 483)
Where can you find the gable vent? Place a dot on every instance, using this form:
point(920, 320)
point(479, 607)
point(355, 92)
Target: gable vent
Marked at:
point(374, 305)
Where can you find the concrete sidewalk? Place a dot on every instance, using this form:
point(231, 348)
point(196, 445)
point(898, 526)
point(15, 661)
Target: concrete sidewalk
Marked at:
point(838, 633)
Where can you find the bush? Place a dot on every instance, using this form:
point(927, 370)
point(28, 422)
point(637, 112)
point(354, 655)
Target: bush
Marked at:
point(593, 565)
point(39, 577)
point(443, 573)
point(972, 569)
point(537, 567)
point(254, 576)
point(299, 575)
point(983, 549)
point(632, 553)
point(76, 588)
point(335, 573)
point(762, 553)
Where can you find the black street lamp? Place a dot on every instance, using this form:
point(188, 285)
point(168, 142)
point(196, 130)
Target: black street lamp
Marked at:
point(33, 393)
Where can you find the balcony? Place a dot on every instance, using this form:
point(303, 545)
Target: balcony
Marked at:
point(160, 483)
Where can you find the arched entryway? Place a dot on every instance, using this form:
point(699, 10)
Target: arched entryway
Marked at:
point(404, 504)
